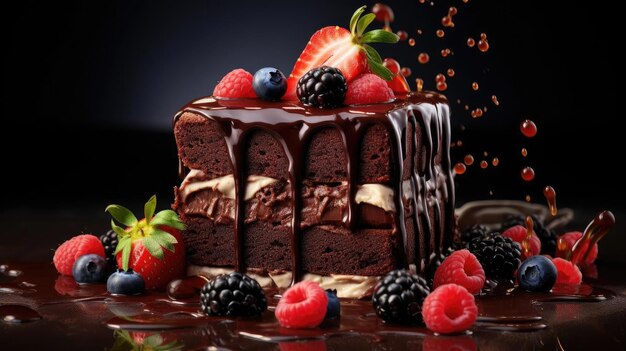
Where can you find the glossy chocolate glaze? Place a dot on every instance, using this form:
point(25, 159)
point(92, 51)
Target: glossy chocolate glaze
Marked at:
point(54, 310)
point(293, 124)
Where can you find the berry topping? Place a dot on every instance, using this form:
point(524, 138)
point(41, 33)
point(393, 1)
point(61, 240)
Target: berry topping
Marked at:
point(269, 84)
point(398, 83)
point(461, 268)
point(469, 234)
point(537, 274)
point(152, 246)
point(303, 305)
point(233, 294)
point(518, 234)
point(449, 309)
point(109, 241)
point(567, 272)
point(66, 254)
point(333, 309)
point(398, 297)
point(89, 268)
point(368, 89)
point(348, 50)
point(498, 255)
point(236, 84)
point(322, 87)
point(572, 237)
point(547, 236)
point(125, 283)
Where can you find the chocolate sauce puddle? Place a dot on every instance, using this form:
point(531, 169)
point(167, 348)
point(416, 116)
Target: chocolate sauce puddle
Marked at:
point(18, 314)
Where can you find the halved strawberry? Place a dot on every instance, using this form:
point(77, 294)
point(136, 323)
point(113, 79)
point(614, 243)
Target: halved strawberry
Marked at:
point(398, 83)
point(347, 50)
point(141, 245)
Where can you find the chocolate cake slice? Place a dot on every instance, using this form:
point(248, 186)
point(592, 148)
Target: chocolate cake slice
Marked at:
point(278, 187)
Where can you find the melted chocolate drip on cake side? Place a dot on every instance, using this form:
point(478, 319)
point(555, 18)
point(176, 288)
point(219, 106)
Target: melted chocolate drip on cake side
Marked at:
point(292, 124)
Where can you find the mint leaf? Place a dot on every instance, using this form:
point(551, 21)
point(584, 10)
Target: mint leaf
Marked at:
point(380, 70)
point(355, 18)
point(153, 340)
point(149, 207)
point(363, 23)
point(153, 247)
point(380, 36)
point(122, 215)
point(126, 253)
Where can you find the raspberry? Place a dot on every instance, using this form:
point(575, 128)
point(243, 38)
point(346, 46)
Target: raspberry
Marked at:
point(236, 84)
point(368, 89)
point(66, 254)
point(302, 306)
point(572, 237)
point(518, 234)
point(449, 309)
point(461, 268)
point(567, 272)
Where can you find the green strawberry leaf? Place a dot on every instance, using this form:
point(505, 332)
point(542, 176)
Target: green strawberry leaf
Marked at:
point(153, 340)
point(380, 36)
point(149, 207)
point(168, 218)
point(153, 247)
point(122, 215)
point(121, 244)
point(126, 248)
point(363, 23)
point(164, 239)
point(118, 230)
point(372, 54)
point(380, 70)
point(355, 18)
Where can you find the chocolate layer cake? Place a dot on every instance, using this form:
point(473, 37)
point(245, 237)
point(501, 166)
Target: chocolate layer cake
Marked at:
point(277, 187)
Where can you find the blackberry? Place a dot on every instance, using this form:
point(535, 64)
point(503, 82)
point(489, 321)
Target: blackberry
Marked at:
point(498, 255)
point(475, 231)
point(109, 241)
point(433, 263)
point(398, 297)
point(233, 294)
point(322, 87)
point(547, 236)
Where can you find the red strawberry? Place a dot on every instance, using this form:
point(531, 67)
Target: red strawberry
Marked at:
point(398, 83)
point(449, 309)
point(368, 89)
point(518, 234)
point(302, 306)
point(571, 238)
point(462, 268)
point(152, 246)
point(236, 84)
point(345, 49)
point(567, 272)
point(66, 254)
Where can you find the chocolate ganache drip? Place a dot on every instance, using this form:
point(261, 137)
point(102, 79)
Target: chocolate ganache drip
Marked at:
point(421, 177)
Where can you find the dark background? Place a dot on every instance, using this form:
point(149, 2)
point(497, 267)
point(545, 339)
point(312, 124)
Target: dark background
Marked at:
point(90, 88)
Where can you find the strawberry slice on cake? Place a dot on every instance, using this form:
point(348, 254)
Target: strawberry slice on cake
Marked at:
point(347, 50)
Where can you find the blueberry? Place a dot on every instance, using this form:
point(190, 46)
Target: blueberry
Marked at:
point(333, 308)
point(269, 84)
point(125, 283)
point(90, 268)
point(537, 274)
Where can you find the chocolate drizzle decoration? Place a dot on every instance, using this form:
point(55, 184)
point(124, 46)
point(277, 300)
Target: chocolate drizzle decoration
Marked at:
point(293, 124)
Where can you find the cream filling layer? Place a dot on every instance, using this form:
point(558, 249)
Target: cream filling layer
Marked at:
point(378, 195)
point(347, 286)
